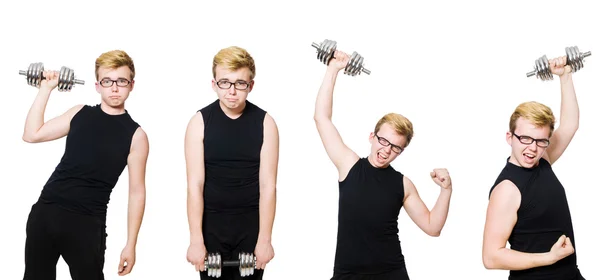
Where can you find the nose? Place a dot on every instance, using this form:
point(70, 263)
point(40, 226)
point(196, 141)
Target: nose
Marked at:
point(114, 87)
point(388, 149)
point(232, 90)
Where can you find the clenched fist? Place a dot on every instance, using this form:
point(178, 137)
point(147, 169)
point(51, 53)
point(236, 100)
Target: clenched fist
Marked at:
point(441, 177)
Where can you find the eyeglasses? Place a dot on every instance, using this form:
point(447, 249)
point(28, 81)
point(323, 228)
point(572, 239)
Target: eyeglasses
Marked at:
point(542, 143)
point(120, 82)
point(385, 143)
point(239, 85)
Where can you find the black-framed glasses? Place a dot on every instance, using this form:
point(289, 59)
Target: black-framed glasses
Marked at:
point(527, 140)
point(397, 149)
point(121, 82)
point(239, 85)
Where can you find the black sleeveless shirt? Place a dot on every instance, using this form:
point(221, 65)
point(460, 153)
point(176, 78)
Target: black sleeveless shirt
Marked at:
point(543, 217)
point(96, 151)
point(370, 200)
point(232, 150)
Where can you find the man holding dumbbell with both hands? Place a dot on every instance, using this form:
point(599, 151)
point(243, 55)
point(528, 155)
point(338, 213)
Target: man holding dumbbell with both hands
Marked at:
point(372, 192)
point(231, 152)
point(69, 218)
point(527, 204)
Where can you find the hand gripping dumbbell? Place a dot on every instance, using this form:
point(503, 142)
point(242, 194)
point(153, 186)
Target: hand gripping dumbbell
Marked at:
point(66, 76)
point(214, 264)
point(574, 59)
point(326, 50)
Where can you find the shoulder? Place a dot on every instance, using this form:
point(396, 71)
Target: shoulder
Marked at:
point(505, 195)
point(139, 141)
point(195, 126)
point(505, 188)
point(76, 109)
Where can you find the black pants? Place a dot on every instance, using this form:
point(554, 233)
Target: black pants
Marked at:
point(399, 274)
point(53, 232)
point(229, 235)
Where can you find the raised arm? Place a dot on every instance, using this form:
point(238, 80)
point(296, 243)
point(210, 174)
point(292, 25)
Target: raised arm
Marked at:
point(36, 130)
point(269, 158)
point(430, 222)
point(194, 159)
point(342, 157)
point(500, 221)
point(136, 163)
point(569, 111)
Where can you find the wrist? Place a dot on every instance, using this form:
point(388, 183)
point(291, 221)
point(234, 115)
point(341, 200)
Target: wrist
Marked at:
point(264, 239)
point(566, 77)
point(548, 259)
point(44, 90)
point(196, 239)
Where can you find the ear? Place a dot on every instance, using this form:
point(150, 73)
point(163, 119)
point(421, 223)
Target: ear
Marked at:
point(214, 85)
point(509, 138)
point(371, 136)
point(132, 84)
point(251, 86)
point(97, 85)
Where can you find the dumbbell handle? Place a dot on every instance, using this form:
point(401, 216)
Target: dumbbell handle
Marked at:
point(75, 81)
point(231, 263)
point(583, 55)
point(316, 46)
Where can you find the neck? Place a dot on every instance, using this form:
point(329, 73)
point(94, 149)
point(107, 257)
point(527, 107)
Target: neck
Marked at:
point(112, 110)
point(373, 161)
point(233, 113)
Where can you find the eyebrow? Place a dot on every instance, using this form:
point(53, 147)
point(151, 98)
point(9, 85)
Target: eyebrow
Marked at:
point(239, 80)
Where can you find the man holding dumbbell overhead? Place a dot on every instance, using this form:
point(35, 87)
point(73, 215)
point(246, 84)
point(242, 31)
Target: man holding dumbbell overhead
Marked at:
point(372, 192)
point(231, 152)
point(527, 204)
point(69, 219)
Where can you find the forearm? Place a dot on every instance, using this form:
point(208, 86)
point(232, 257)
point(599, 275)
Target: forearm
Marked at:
point(324, 104)
point(267, 204)
point(439, 213)
point(135, 215)
point(507, 259)
point(195, 210)
point(35, 116)
point(569, 109)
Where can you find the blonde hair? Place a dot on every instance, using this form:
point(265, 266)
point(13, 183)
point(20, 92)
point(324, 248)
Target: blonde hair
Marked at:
point(538, 114)
point(113, 60)
point(399, 123)
point(234, 58)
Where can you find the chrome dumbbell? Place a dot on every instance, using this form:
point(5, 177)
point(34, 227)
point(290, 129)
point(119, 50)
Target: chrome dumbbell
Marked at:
point(214, 264)
point(326, 50)
point(66, 76)
point(574, 60)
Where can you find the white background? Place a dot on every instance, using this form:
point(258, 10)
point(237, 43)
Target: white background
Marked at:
point(456, 69)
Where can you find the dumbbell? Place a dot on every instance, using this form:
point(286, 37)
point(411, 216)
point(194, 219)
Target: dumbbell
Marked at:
point(326, 50)
point(574, 59)
point(246, 263)
point(66, 76)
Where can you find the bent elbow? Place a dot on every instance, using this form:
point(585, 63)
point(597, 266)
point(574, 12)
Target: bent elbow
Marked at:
point(29, 138)
point(489, 262)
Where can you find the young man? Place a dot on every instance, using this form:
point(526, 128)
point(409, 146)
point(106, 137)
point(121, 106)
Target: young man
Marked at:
point(372, 192)
point(527, 203)
point(69, 219)
point(232, 154)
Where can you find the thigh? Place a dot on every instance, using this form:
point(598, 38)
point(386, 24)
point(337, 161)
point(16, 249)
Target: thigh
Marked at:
point(41, 252)
point(83, 244)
